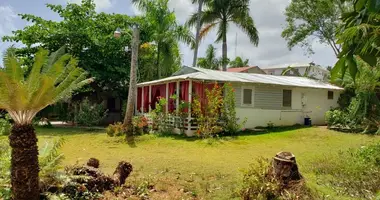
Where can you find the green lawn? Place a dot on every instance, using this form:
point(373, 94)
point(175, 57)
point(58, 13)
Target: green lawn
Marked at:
point(209, 170)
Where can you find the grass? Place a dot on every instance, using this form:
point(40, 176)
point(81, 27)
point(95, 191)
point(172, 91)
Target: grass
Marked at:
point(205, 169)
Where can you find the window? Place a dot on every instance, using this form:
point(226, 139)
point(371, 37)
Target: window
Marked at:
point(111, 104)
point(286, 98)
point(330, 95)
point(247, 96)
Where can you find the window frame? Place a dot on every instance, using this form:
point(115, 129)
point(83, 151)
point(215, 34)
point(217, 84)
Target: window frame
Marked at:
point(328, 95)
point(252, 96)
point(291, 98)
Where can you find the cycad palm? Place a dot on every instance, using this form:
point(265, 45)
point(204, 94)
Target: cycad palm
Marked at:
point(221, 13)
point(51, 79)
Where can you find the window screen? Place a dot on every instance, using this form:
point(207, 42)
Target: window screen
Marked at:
point(330, 95)
point(247, 96)
point(287, 98)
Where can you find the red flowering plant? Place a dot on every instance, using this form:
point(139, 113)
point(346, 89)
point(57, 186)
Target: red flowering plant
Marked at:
point(140, 125)
point(207, 116)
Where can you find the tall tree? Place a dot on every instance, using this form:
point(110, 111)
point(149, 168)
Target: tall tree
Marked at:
point(210, 61)
point(313, 19)
point(51, 79)
point(164, 32)
point(87, 36)
point(132, 94)
point(359, 36)
point(238, 62)
point(220, 13)
point(198, 30)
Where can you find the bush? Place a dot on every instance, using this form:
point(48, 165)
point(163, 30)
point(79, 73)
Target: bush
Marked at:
point(355, 172)
point(5, 125)
point(231, 124)
point(88, 114)
point(116, 129)
point(259, 184)
point(140, 125)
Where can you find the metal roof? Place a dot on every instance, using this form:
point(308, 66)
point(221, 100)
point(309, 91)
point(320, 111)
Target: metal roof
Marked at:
point(293, 65)
point(190, 73)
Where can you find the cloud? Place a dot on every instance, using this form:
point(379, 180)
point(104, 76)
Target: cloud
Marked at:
point(272, 50)
point(100, 4)
point(7, 19)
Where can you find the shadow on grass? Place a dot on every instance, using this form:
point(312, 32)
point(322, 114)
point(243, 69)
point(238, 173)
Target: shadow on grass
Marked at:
point(67, 131)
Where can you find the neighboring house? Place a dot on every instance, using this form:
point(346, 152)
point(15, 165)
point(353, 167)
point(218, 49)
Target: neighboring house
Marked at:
point(260, 98)
point(316, 71)
point(252, 69)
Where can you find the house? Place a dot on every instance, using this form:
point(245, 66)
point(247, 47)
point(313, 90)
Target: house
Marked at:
point(251, 69)
point(316, 71)
point(261, 99)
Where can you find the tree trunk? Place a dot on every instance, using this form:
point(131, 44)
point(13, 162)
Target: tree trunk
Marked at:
point(158, 61)
point(285, 168)
point(132, 84)
point(24, 163)
point(197, 36)
point(224, 51)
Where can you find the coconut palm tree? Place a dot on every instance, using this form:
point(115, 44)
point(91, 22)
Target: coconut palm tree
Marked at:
point(164, 31)
point(238, 62)
point(220, 13)
point(198, 29)
point(291, 71)
point(51, 79)
point(210, 61)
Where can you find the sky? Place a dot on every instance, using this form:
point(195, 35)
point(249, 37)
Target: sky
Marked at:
point(268, 16)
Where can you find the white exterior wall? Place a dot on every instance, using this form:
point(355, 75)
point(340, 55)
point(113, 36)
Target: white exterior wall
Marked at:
point(305, 102)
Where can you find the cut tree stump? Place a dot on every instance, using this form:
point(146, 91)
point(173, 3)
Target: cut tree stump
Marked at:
point(285, 168)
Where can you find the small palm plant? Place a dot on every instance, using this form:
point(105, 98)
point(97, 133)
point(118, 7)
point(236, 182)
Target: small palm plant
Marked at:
point(51, 79)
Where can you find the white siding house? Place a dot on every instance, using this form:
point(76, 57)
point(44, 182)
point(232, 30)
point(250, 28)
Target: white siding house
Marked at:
point(316, 71)
point(260, 98)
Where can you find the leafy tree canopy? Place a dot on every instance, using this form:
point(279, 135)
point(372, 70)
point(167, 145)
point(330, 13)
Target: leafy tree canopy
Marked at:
point(313, 19)
point(239, 62)
point(210, 61)
point(88, 36)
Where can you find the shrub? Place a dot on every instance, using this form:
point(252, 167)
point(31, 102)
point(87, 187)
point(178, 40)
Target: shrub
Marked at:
point(88, 114)
point(208, 115)
point(258, 183)
point(159, 116)
point(5, 125)
point(355, 172)
point(140, 125)
point(231, 123)
point(116, 129)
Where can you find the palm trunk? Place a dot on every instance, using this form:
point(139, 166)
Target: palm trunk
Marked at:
point(24, 163)
point(197, 36)
point(133, 82)
point(224, 51)
point(158, 61)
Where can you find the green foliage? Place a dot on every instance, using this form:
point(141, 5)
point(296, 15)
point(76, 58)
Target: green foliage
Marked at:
point(52, 78)
point(358, 36)
point(5, 163)
point(313, 19)
point(238, 62)
point(116, 129)
point(5, 124)
point(355, 172)
point(208, 115)
point(231, 123)
point(88, 36)
point(219, 14)
point(89, 114)
point(258, 183)
point(165, 32)
point(160, 117)
point(210, 61)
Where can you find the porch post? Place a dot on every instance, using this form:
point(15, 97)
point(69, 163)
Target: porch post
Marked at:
point(150, 97)
point(190, 101)
point(142, 100)
point(167, 98)
point(177, 99)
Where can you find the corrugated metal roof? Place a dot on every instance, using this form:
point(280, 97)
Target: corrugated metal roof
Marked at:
point(240, 69)
point(188, 73)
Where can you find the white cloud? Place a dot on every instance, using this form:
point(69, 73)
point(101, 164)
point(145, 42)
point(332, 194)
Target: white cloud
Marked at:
point(100, 4)
point(7, 19)
point(269, 20)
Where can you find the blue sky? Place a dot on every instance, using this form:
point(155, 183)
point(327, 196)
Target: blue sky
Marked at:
point(268, 16)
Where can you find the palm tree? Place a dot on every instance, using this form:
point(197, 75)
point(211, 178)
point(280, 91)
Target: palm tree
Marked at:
point(198, 29)
point(291, 71)
point(210, 61)
point(221, 13)
point(51, 79)
point(238, 62)
point(164, 31)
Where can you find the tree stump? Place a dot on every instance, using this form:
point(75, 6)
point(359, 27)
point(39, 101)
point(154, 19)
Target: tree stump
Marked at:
point(285, 168)
point(93, 162)
point(121, 173)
